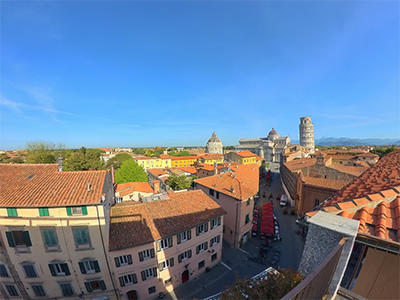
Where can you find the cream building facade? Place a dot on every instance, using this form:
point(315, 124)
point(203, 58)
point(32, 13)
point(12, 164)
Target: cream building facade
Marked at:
point(269, 148)
point(54, 233)
point(158, 244)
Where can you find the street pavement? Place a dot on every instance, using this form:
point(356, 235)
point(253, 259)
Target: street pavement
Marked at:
point(247, 261)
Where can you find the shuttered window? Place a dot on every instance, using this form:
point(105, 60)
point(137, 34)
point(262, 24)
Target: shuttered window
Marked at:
point(95, 285)
point(44, 212)
point(38, 290)
point(66, 289)
point(12, 212)
point(89, 266)
point(49, 237)
point(3, 271)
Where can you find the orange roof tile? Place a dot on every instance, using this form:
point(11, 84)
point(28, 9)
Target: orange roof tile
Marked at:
point(136, 186)
point(361, 201)
point(375, 197)
point(326, 183)
point(352, 170)
point(346, 205)
point(389, 193)
point(246, 153)
point(48, 186)
point(240, 184)
point(301, 163)
point(138, 224)
point(184, 157)
point(157, 172)
point(329, 209)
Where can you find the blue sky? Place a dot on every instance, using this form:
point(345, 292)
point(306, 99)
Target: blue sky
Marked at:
point(131, 73)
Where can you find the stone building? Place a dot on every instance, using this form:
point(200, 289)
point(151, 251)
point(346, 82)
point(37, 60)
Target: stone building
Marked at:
point(214, 145)
point(306, 132)
point(269, 148)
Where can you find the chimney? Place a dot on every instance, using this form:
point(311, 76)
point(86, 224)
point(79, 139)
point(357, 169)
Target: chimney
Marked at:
point(156, 186)
point(112, 174)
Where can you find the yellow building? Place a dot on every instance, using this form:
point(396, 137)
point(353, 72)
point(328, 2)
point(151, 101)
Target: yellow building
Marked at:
point(243, 157)
point(183, 161)
point(211, 159)
point(54, 229)
point(162, 161)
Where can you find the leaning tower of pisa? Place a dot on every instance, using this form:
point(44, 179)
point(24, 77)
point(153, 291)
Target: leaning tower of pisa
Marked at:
point(306, 130)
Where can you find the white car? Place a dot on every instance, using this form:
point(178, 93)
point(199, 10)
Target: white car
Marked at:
point(283, 200)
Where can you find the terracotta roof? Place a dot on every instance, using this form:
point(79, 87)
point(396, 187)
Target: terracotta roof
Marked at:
point(48, 186)
point(137, 224)
point(301, 163)
point(343, 157)
point(241, 184)
point(245, 153)
point(210, 156)
point(352, 170)
point(184, 157)
point(367, 154)
point(326, 183)
point(144, 157)
point(157, 172)
point(136, 186)
point(164, 156)
point(191, 170)
point(258, 158)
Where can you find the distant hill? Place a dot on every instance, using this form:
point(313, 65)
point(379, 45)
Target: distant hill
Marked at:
point(344, 141)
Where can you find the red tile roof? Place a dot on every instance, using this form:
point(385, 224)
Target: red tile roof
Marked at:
point(136, 186)
point(352, 170)
point(137, 224)
point(157, 172)
point(48, 186)
point(326, 183)
point(301, 163)
point(191, 170)
point(240, 184)
point(246, 153)
point(184, 157)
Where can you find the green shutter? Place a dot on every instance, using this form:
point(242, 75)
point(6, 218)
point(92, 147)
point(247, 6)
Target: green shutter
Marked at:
point(121, 281)
point(117, 264)
point(52, 270)
point(12, 212)
point(88, 287)
point(81, 236)
point(65, 268)
point(82, 267)
point(69, 211)
point(102, 285)
point(27, 239)
point(44, 212)
point(96, 266)
point(84, 210)
point(10, 239)
point(49, 237)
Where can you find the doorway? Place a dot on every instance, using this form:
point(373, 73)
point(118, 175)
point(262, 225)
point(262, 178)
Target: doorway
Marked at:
point(132, 295)
point(185, 276)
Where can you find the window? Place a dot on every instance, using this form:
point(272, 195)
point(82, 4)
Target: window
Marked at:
point(29, 270)
point(215, 222)
point(214, 257)
point(127, 279)
point(18, 238)
point(166, 264)
point(152, 290)
point(50, 240)
point(202, 264)
point(202, 229)
point(215, 240)
point(12, 212)
point(316, 202)
point(201, 247)
point(89, 266)
point(95, 285)
point(211, 192)
point(146, 254)
point(3, 271)
point(248, 202)
point(123, 260)
point(81, 235)
point(76, 210)
point(59, 269)
point(168, 281)
point(185, 255)
point(44, 212)
point(184, 236)
point(164, 244)
point(217, 195)
point(12, 290)
point(66, 289)
point(118, 199)
point(247, 219)
point(148, 273)
point(38, 290)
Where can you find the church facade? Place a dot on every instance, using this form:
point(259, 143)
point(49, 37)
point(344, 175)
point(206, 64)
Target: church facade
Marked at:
point(269, 148)
point(214, 145)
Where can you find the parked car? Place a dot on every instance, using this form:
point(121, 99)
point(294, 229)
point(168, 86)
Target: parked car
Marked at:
point(284, 199)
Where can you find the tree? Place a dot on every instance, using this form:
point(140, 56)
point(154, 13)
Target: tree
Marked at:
point(83, 160)
point(40, 152)
point(274, 286)
point(130, 171)
point(181, 182)
point(383, 151)
point(117, 161)
point(229, 148)
point(181, 153)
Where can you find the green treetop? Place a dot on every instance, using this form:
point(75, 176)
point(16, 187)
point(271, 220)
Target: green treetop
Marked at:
point(130, 171)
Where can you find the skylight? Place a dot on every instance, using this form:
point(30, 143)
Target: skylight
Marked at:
point(30, 176)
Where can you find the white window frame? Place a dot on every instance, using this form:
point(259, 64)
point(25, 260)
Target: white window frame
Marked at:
point(214, 223)
point(149, 273)
point(202, 247)
point(76, 210)
point(58, 269)
point(89, 266)
point(123, 260)
point(183, 236)
point(166, 264)
point(146, 254)
point(214, 241)
point(164, 244)
point(202, 226)
point(185, 255)
point(126, 279)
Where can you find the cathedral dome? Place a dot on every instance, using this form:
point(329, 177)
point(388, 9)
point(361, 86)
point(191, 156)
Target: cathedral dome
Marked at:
point(272, 135)
point(214, 145)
